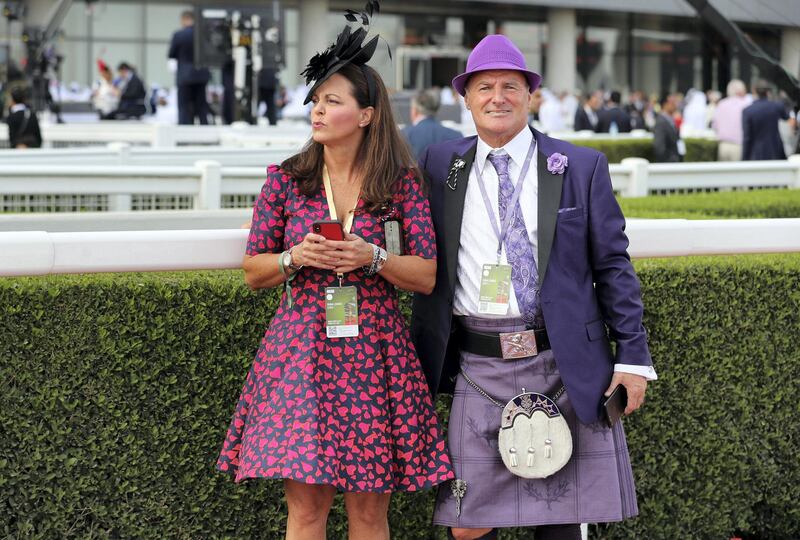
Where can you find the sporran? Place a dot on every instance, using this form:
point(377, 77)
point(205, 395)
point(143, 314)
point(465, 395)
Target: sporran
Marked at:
point(534, 439)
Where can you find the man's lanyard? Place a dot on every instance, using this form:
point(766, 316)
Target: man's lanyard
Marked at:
point(501, 233)
point(348, 221)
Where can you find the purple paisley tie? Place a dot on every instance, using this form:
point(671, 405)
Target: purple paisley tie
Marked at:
point(519, 251)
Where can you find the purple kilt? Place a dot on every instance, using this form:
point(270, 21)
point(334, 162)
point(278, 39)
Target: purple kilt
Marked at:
point(595, 486)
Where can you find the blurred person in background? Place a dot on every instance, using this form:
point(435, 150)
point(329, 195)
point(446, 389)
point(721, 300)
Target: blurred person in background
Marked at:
point(424, 129)
point(635, 109)
point(727, 121)
point(694, 113)
point(569, 106)
point(713, 98)
point(586, 117)
point(105, 96)
point(191, 82)
point(132, 94)
point(23, 126)
point(760, 136)
point(267, 84)
point(613, 119)
point(668, 147)
point(550, 112)
point(534, 108)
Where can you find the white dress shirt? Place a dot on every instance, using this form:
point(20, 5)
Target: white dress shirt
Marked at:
point(478, 244)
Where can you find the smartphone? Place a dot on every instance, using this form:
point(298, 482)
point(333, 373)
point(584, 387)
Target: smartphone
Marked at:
point(614, 405)
point(330, 229)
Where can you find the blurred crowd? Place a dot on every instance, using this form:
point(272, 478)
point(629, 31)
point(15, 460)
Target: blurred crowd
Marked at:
point(749, 125)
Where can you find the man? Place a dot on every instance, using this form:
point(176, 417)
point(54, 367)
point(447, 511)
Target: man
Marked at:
point(571, 281)
point(537, 99)
point(23, 126)
point(635, 110)
point(191, 82)
point(586, 116)
point(727, 121)
point(613, 119)
point(668, 147)
point(761, 138)
point(424, 129)
point(132, 94)
point(267, 84)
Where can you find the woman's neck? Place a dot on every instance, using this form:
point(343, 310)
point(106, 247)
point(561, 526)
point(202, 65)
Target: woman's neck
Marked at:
point(340, 161)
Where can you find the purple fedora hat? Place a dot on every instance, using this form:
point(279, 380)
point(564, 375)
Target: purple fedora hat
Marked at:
point(495, 52)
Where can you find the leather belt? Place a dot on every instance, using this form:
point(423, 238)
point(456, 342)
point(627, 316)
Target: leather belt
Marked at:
point(489, 343)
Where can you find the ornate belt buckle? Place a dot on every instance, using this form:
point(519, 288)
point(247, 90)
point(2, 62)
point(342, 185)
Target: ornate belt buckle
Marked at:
point(516, 345)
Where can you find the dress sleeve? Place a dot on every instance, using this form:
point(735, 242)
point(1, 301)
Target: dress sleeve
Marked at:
point(269, 221)
point(418, 233)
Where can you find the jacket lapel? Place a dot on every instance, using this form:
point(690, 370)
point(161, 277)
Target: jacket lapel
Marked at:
point(549, 199)
point(454, 206)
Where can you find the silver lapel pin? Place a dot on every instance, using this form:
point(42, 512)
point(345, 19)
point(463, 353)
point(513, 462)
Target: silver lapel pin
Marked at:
point(452, 176)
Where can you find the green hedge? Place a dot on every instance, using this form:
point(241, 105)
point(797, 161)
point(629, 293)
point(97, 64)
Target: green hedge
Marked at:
point(116, 391)
point(764, 203)
point(618, 149)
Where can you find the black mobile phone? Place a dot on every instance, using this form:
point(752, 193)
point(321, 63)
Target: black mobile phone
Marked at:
point(614, 405)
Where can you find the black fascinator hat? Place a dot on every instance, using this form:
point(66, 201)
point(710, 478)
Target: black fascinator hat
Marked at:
point(348, 49)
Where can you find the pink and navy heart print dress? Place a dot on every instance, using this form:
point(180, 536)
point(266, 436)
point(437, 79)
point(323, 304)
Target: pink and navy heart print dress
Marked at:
point(354, 413)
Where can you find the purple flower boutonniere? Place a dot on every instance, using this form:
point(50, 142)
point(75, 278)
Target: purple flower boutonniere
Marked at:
point(557, 163)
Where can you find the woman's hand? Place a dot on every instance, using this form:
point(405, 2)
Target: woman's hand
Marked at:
point(349, 255)
point(313, 251)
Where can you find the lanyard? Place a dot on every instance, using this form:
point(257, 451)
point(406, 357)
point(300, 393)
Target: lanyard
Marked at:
point(348, 221)
point(501, 233)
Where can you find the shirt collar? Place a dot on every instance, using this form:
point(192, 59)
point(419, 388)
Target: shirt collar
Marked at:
point(18, 107)
point(516, 148)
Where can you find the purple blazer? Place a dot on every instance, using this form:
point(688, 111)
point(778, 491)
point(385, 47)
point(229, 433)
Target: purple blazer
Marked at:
point(589, 291)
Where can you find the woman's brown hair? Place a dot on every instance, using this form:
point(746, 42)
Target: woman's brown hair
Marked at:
point(382, 158)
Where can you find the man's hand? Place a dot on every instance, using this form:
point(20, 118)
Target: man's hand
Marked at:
point(634, 384)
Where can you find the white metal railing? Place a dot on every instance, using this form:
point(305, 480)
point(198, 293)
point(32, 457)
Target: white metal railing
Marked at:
point(206, 182)
point(144, 220)
point(239, 134)
point(127, 154)
point(167, 135)
point(39, 253)
point(636, 177)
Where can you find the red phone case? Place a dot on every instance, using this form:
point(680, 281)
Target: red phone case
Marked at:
point(331, 229)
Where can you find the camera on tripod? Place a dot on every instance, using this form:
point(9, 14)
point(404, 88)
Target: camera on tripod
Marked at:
point(246, 40)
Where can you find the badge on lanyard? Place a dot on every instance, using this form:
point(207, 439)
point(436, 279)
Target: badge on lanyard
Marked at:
point(495, 291)
point(341, 303)
point(341, 312)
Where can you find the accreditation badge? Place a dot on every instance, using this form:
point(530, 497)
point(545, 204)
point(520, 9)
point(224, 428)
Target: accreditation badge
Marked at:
point(495, 290)
point(341, 312)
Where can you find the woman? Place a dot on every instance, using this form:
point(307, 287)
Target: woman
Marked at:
point(326, 413)
point(105, 96)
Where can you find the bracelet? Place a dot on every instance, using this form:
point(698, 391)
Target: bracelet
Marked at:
point(370, 269)
point(280, 264)
point(379, 257)
point(383, 256)
point(293, 266)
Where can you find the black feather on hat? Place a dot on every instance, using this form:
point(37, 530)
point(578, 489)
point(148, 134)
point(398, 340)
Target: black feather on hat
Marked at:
point(347, 49)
